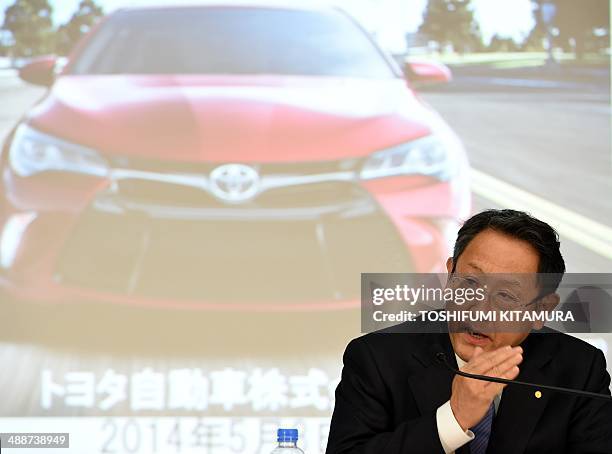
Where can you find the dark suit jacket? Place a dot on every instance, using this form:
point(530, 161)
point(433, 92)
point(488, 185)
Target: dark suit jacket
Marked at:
point(392, 386)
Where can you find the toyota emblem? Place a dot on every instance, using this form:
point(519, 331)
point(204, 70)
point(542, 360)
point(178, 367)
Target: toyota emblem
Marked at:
point(234, 182)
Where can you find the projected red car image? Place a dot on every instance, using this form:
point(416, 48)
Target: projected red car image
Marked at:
point(226, 158)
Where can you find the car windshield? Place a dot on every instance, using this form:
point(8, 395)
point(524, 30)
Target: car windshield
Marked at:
point(232, 40)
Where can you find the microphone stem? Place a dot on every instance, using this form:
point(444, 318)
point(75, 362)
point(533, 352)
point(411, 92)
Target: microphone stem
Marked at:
point(533, 385)
point(575, 392)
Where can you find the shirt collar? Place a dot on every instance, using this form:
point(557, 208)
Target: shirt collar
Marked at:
point(460, 362)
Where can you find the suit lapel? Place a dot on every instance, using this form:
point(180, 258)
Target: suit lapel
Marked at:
point(520, 410)
point(431, 387)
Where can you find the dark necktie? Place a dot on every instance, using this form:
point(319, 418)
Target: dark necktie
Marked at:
point(482, 432)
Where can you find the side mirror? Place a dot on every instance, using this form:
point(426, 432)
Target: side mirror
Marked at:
point(424, 73)
point(39, 71)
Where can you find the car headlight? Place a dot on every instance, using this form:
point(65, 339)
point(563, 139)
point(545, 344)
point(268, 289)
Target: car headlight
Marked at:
point(32, 152)
point(430, 155)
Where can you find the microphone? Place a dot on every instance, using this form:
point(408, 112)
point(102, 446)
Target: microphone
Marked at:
point(441, 357)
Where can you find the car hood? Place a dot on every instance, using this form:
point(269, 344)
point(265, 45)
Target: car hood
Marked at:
point(231, 118)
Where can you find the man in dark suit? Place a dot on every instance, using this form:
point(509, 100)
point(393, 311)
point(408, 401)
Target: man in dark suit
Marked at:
point(396, 398)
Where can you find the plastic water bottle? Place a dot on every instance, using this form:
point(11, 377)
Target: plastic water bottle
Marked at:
point(287, 442)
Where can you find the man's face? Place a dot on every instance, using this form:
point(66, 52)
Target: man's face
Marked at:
point(492, 252)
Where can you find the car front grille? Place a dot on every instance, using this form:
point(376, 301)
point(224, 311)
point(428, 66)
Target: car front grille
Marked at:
point(299, 244)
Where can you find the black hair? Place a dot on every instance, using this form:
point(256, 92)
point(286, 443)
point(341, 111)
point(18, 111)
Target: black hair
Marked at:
point(518, 224)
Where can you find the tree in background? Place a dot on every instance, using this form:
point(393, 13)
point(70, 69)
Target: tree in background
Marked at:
point(451, 22)
point(499, 44)
point(6, 42)
point(29, 22)
point(582, 25)
point(535, 40)
point(82, 20)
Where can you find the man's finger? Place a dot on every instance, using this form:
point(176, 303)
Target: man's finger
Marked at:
point(492, 389)
point(508, 370)
point(499, 369)
point(488, 360)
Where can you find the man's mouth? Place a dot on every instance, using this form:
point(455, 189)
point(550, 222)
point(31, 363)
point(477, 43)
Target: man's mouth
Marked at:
point(474, 336)
point(477, 334)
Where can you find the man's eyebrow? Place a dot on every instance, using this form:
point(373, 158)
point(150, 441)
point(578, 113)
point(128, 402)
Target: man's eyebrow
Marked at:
point(514, 282)
point(475, 266)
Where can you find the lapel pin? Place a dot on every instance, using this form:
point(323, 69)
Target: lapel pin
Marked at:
point(538, 394)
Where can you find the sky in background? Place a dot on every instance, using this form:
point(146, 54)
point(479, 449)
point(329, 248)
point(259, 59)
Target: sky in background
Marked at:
point(389, 19)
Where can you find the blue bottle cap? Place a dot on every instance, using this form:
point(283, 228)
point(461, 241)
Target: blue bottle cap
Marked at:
point(287, 435)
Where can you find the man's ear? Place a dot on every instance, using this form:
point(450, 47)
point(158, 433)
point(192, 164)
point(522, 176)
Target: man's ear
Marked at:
point(449, 265)
point(546, 304)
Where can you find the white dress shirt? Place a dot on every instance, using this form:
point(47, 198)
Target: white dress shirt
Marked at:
point(452, 436)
